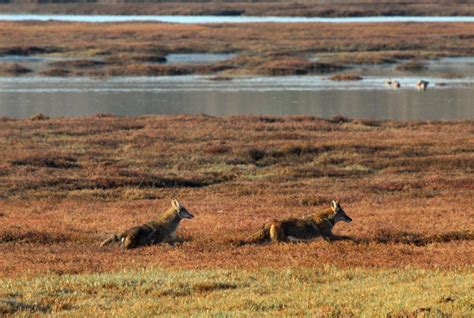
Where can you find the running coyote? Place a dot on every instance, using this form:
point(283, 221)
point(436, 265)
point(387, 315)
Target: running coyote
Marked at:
point(303, 229)
point(163, 230)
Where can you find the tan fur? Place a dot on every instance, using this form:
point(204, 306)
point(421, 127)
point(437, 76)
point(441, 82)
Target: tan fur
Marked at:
point(163, 230)
point(301, 229)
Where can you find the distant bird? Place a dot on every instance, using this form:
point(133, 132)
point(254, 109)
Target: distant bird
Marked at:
point(392, 84)
point(422, 85)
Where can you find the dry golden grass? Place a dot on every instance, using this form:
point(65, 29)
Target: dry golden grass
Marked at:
point(317, 292)
point(65, 184)
point(128, 48)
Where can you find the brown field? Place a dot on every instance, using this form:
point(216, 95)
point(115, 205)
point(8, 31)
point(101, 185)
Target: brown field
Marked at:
point(65, 184)
point(139, 48)
point(250, 7)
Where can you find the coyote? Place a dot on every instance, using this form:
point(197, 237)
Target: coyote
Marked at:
point(304, 229)
point(162, 230)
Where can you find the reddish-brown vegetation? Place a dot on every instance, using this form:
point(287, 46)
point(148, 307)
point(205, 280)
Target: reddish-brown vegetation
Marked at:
point(345, 77)
point(137, 48)
point(13, 69)
point(411, 66)
point(65, 184)
point(296, 66)
point(60, 72)
point(243, 7)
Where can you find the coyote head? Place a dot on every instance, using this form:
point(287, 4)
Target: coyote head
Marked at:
point(339, 214)
point(181, 210)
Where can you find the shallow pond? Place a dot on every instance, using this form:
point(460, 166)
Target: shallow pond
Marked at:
point(198, 58)
point(224, 19)
point(311, 95)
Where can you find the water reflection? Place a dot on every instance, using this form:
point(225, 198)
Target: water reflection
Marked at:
point(76, 97)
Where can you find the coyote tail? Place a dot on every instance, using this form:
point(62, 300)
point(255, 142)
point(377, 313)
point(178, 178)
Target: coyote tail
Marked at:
point(259, 237)
point(111, 240)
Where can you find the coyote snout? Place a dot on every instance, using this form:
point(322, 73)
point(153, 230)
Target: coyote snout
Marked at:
point(155, 232)
point(184, 214)
point(340, 213)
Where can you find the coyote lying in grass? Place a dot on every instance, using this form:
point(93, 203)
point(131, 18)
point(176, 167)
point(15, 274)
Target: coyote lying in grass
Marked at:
point(304, 229)
point(162, 230)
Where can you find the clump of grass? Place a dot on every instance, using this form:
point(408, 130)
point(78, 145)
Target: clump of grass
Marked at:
point(39, 117)
point(56, 72)
point(217, 149)
point(387, 236)
point(150, 58)
point(12, 306)
point(412, 66)
point(345, 77)
point(256, 154)
point(76, 64)
point(122, 59)
point(29, 50)
point(32, 237)
point(48, 161)
point(152, 70)
point(339, 119)
point(297, 66)
point(15, 69)
point(220, 78)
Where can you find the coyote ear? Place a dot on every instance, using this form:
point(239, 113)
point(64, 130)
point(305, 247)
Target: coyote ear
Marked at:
point(175, 203)
point(333, 205)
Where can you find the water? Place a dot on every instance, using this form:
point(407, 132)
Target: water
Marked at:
point(20, 59)
point(198, 58)
point(224, 19)
point(313, 95)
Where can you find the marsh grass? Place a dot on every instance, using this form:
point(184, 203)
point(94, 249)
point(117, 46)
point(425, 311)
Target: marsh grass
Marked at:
point(318, 8)
point(412, 66)
point(138, 49)
point(67, 183)
point(345, 77)
point(15, 69)
point(323, 291)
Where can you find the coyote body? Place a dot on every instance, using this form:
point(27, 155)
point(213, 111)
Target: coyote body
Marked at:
point(162, 230)
point(302, 229)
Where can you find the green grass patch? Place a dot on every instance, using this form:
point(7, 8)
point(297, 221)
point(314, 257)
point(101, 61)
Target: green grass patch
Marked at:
point(325, 291)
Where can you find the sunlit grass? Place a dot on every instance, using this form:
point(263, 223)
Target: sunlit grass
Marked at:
point(325, 291)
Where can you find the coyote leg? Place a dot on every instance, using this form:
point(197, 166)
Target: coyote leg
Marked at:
point(112, 239)
point(276, 232)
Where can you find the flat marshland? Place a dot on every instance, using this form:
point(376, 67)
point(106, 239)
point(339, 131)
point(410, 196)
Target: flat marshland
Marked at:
point(121, 49)
point(244, 7)
point(67, 183)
